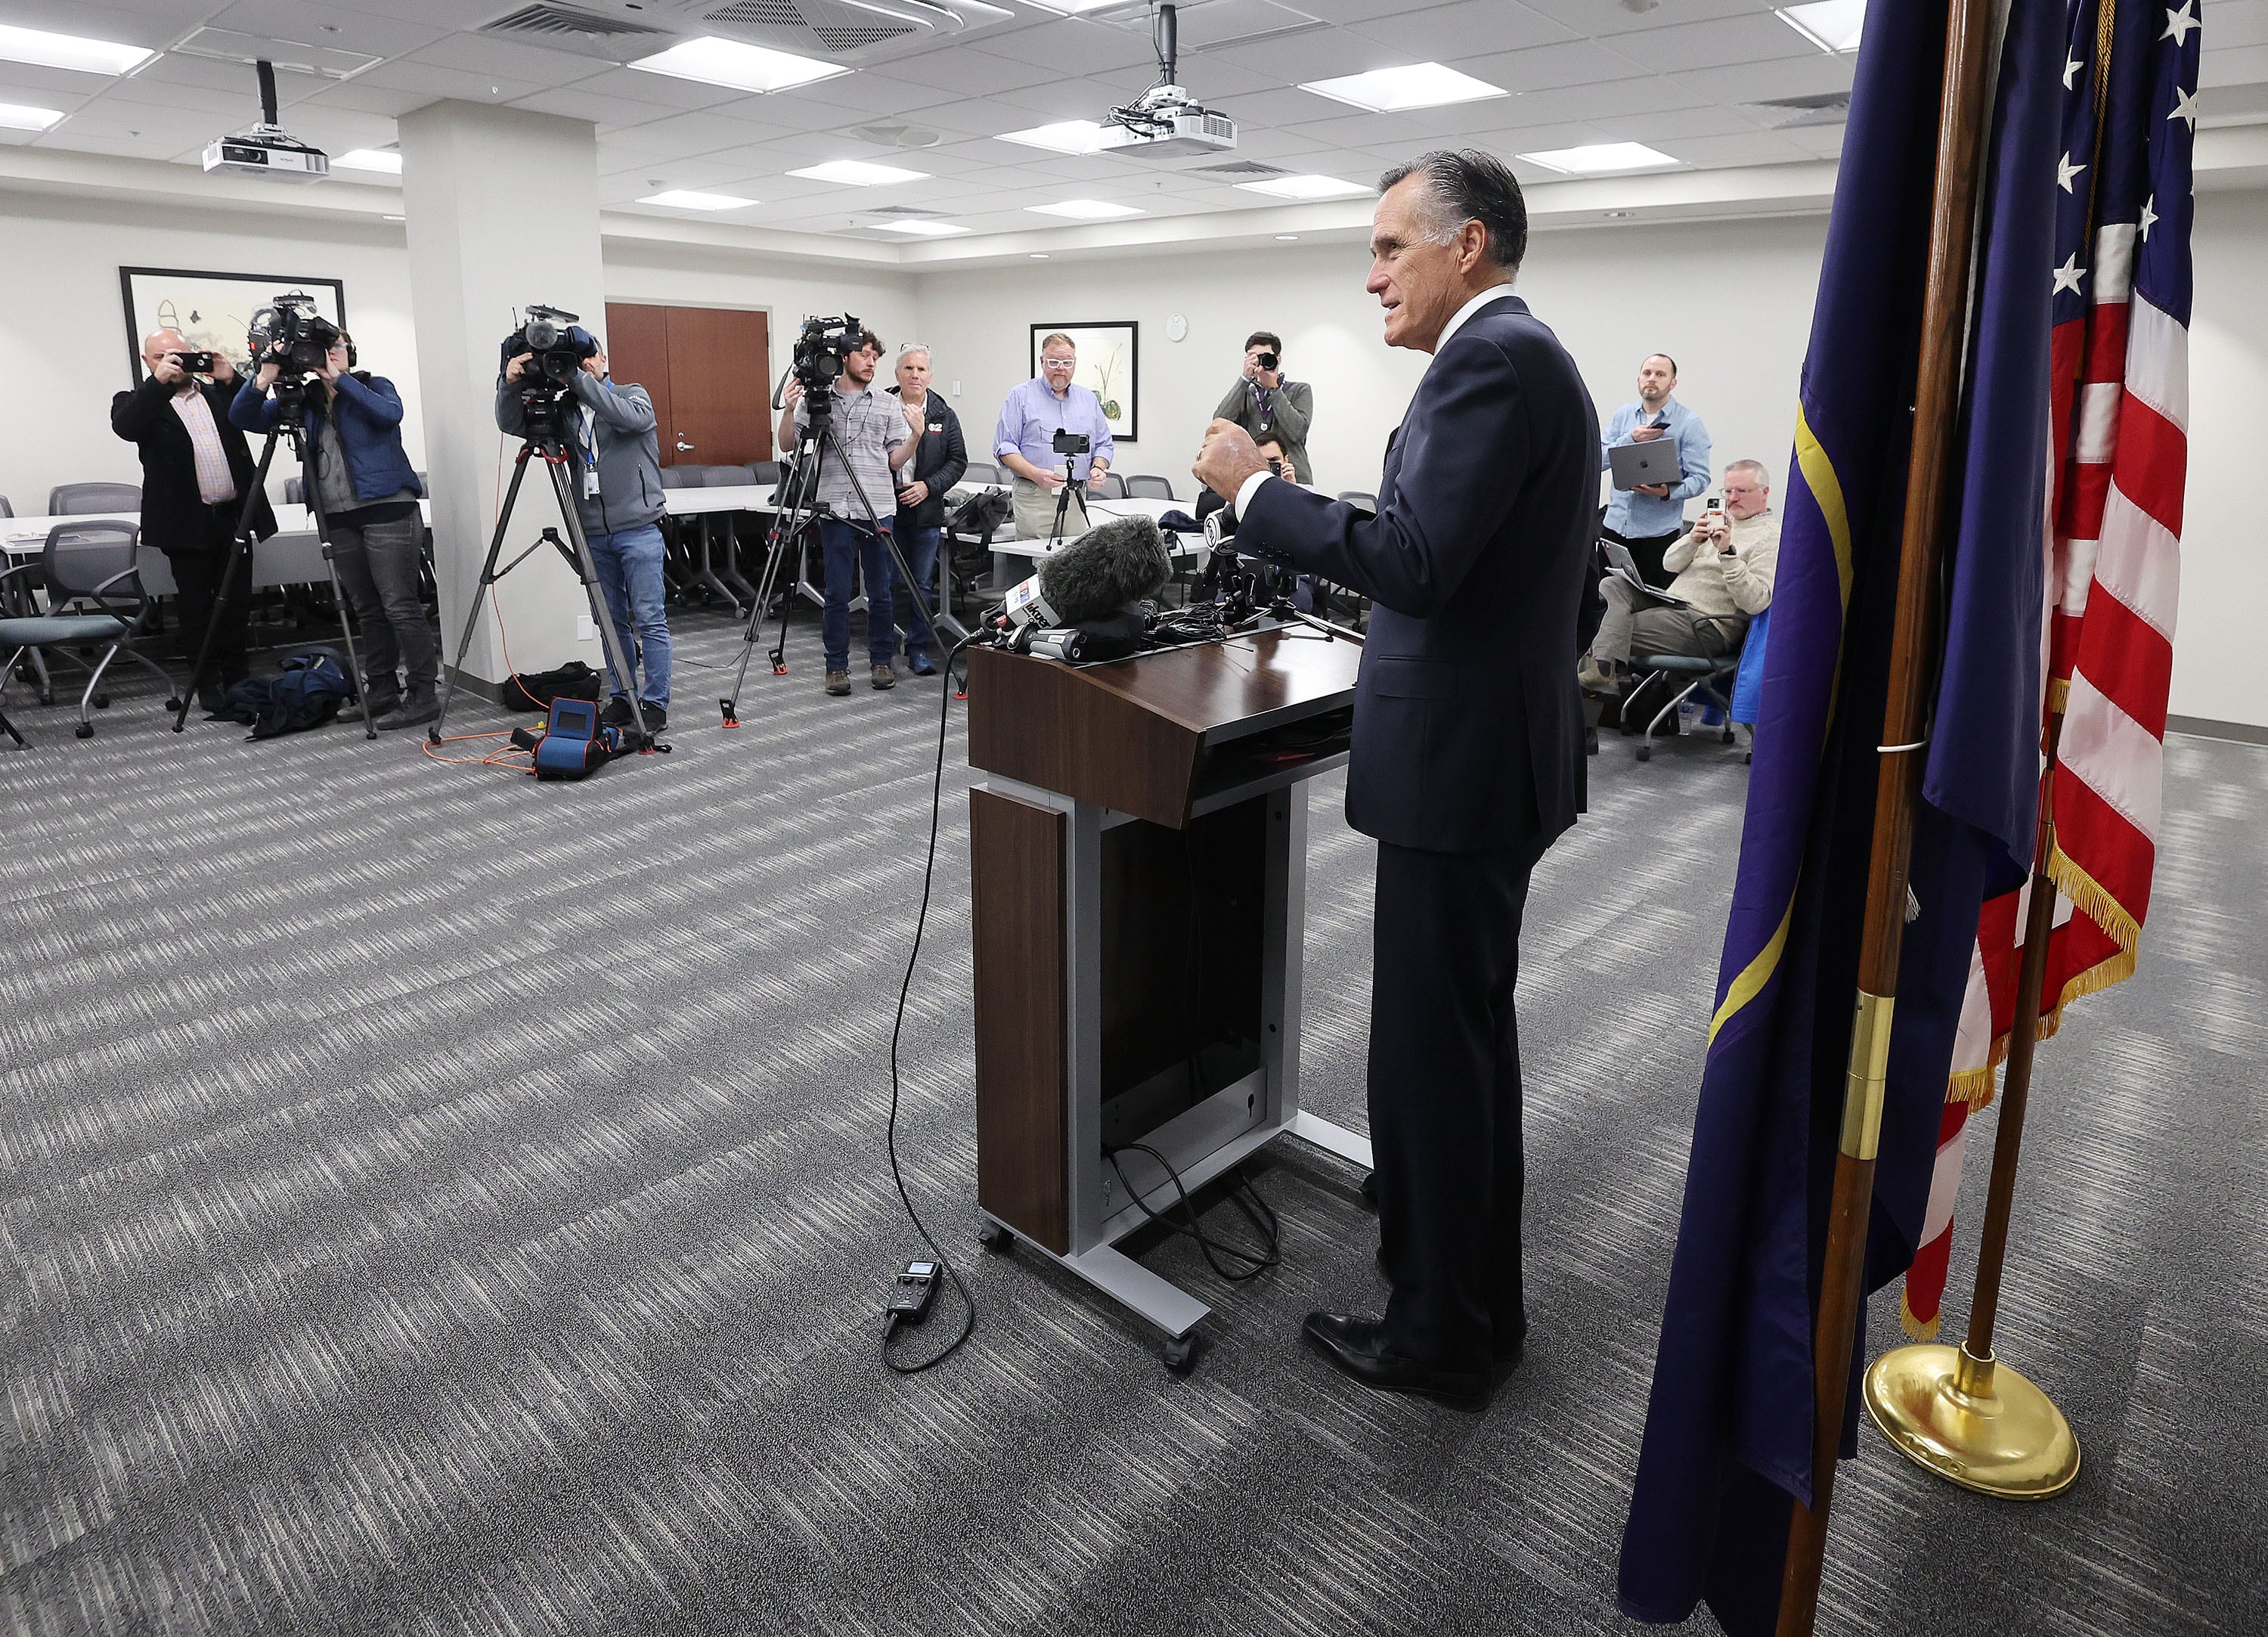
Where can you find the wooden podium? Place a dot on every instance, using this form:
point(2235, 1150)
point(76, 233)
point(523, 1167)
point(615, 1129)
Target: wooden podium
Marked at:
point(1139, 851)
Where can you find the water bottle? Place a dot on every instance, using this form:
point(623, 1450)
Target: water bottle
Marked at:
point(1689, 714)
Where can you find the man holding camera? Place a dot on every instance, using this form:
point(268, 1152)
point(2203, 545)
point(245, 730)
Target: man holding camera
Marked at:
point(1724, 566)
point(874, 435)
point(356, 466)
point(616, 457)
point(1268, 404)
point(938, 464)
point(1049, 406)
point(197, 470)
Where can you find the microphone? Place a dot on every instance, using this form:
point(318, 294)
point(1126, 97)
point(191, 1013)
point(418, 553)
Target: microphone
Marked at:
point(1117, 562)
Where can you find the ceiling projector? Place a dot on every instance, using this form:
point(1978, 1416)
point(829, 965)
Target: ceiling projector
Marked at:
point(1165, 122)
point(267, 149)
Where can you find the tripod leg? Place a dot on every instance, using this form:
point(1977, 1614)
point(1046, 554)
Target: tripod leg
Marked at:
point(237, 547)
point(775, 554)
point(587, 571)
point(480, 592)
point(308, 456)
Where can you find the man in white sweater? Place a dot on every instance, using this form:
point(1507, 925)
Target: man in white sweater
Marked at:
point(1724, 566)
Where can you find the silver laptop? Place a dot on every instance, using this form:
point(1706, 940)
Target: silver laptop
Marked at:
point(1637, 463)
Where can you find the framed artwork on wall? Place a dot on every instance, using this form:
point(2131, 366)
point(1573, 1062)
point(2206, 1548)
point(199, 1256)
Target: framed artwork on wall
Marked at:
point(1109, 367)
point(211, 310)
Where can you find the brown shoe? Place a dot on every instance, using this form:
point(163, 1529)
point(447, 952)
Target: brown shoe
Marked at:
point(838, 683)
point(885, 678)
point(1592, 677)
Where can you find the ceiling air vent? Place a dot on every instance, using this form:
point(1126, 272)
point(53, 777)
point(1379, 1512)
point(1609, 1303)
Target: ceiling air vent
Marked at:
point(1238, 168)
point(564, 22)
point(900, 209)
point(840, 28)
point(1786, 113)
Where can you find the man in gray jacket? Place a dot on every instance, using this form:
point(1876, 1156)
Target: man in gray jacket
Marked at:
point(616, 459)
point(1268, 403)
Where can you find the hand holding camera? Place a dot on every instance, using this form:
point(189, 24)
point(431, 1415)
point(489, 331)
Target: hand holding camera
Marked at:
point(1259, 368)
point(169, 369)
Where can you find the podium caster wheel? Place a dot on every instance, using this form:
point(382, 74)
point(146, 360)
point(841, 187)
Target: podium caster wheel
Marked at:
point(84, 730)
point(1728, 737)
point(1645, 753)
point(992, 1236)
point(1180, 1353)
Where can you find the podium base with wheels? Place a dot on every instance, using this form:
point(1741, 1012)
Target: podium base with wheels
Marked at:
point(1138, 863)
point(1972, 1421)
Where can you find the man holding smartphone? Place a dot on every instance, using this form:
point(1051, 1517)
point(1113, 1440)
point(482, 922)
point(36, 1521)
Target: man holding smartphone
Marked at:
point(196, 469)
point(1724, 566)
point(1646, 519)
point(1270, 405)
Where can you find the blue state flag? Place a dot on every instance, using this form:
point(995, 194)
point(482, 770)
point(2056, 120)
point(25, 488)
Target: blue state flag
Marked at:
point(1728, 1446)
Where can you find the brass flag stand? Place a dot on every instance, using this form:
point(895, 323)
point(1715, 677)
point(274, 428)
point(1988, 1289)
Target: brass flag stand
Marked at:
point(1962, 120)
point(1959, 1411)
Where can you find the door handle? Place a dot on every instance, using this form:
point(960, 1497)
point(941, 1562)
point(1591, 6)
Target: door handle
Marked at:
point(683, 448)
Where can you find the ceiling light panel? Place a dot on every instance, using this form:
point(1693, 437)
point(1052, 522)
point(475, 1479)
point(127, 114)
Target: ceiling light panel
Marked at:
point(1394, 89)
point(1065, 137)
point(13, 116)
point(1084, 209)
point(387, 159)
point(687, 199)
point(1600, 158)
point(1306, 188)
point(859, 173)
point(715, 61)
point(1830, 25)
point(71, 51)
point(923, 230)
point(1074, 8)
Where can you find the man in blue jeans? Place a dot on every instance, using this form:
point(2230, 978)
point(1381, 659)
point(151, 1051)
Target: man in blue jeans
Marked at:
point(877, 436)
point(938, 464)
point(616, 459)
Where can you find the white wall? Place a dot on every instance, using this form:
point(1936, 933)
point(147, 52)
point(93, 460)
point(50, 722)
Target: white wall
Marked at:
point(63, 321)
point(1731, 302)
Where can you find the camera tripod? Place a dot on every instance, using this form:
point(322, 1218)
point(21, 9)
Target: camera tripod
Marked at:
point(546, 436)
point(800, 510)
point(291, 424)
point(1062, 503)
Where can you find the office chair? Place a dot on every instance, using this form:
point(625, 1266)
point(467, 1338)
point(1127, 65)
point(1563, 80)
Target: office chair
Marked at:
point(1710, 676)
point(1144, 487)
point(982, 472)
point(85, 500)
point(94, 596)
point(1113, 487)
point(1356, 496)
point(5, 509)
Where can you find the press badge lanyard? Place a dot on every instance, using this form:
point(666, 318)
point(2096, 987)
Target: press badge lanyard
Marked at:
point(590, 454)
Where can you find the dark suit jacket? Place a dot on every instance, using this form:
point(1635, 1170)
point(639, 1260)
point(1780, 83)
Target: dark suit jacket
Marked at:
point(1468, 725)
point(172, 515)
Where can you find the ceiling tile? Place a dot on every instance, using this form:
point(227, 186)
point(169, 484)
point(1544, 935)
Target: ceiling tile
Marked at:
point(1721, 42)
point(1453, 32)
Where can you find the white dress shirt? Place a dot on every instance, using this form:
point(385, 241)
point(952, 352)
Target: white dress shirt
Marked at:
point(1494, 293)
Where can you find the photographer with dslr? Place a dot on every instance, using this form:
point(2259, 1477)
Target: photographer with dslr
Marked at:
point(872, 435)
point(197, 470)
point(616, 457)
point(369, 492)
point(1268, 404)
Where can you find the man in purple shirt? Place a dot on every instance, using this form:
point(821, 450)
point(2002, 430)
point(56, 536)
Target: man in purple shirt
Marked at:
point(1036, 412)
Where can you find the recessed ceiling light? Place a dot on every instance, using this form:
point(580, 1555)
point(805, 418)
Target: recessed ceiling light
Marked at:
point(687, 199)
point(387, 159)
point(715, 61)
point(1072, 8)
point(922, 230)
point(1614, 216)
point(15, 116)
point(859, 173)
point(393, 218)
point(1068, 136)
point(1287, 238)
point(1598, 158)
point(1039, 256)
point(1391, 90)
point(1084, 209)
point(1830, 25)
point(87, 56)
point(1306, 188)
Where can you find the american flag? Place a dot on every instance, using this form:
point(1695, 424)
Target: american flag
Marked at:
point(2121, 312)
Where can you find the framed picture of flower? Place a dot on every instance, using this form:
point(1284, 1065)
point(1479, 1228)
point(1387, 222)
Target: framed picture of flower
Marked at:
point(1109, 367)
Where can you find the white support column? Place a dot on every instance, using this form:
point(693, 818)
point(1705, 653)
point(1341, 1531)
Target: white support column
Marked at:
point(502, 208)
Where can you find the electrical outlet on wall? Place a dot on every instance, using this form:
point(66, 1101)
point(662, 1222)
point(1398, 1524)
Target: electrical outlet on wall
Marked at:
point(584, 631)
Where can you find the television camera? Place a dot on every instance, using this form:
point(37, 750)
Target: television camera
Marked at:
point(292, 335)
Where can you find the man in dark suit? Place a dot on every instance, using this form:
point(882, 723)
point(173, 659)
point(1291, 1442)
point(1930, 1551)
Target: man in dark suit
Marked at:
point(1468, 755)
point(197, 470)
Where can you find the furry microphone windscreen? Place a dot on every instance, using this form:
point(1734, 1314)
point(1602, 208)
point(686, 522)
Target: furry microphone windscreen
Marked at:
point(1114, 563)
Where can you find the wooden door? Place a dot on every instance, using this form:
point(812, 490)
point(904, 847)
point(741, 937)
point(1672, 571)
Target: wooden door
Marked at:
point(709, 373)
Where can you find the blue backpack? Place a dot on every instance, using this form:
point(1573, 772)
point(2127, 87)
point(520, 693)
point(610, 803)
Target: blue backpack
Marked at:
point(307, 693)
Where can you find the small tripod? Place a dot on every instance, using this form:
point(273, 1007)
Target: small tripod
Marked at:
point(547, 436)
point(291, 424)
point(800, 510)
point(1062, 503)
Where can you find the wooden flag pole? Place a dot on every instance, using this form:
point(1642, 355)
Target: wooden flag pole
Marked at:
point(1937, 399)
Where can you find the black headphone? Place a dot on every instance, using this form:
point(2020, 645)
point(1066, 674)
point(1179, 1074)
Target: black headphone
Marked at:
point(352, 360)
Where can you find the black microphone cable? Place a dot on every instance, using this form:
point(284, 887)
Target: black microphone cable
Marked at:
point(897, 1026)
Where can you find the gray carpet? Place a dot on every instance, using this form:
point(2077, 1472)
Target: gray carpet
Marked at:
point(432, 1203)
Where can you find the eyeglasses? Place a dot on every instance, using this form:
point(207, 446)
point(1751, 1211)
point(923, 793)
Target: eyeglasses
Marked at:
point(1058, 364)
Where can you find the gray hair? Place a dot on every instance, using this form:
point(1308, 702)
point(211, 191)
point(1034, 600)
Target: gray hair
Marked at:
point(1464, 186)
point(1763, 478)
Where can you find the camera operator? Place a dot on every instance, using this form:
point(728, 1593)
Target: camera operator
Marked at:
point(937, 463)
point(877, 435)
point(1034, 412)
point(370, 493)
point(1268, 404)
point(617, 455)
point(196, 471)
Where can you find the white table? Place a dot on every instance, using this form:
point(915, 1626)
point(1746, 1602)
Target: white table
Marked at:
point(291, 557)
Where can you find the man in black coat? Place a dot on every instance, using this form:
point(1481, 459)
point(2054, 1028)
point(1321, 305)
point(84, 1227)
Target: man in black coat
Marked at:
point(197, 470)
point(940, 459)
point(1468, 756)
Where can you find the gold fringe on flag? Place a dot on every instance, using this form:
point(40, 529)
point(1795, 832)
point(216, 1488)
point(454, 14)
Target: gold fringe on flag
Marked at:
point(2101, 908)
point(1915, 1327)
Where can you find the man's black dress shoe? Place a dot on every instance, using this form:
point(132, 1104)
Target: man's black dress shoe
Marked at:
point(1370, 1191)
point(1358, 1345)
